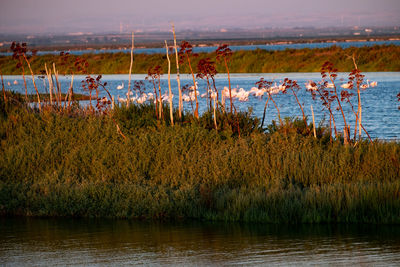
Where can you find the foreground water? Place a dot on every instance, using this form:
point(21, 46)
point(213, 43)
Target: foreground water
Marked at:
point(380, 116)
point(52, 242)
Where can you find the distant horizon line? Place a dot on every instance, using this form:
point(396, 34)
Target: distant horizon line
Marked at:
point(221, 29)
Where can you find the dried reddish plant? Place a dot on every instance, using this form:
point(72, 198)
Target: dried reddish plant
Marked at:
point(139, 87)
point(345, 96)
point(154, 77)
point(294, 87)
point(22, 53)
point(102, 103)
point(329, 73)
point(265, 85)
point(207, 71)
point(91, 84)
point(325, 95)
point(224, 53)
point(185, 53)
point(398, 98)
point(186, 88)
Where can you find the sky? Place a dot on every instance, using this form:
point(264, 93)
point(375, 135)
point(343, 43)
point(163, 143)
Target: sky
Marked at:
point(57, 16)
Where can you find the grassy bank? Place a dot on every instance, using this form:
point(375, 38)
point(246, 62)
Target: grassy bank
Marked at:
point(376, 58)
point(76, 164)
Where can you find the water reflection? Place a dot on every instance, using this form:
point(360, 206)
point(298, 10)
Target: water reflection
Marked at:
point(27, 241)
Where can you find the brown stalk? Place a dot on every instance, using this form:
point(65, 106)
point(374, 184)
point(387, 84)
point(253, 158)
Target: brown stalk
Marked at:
point(2, 85)
point(361, 126)
point(265, 109)
point(346, 130)
point(160, 109)
point(313, 121)
point(50, 79)
point(301, 107)
point(196, 111)
point(71, 91)
point(33, 80)
point(130, 71)
point(359, 108)
point(169, 86)
point(177, 73)
point(58, 92)
point(276, 106)
point(23, 77)
point(229, 82)
point(331, 117)
point(215, 114)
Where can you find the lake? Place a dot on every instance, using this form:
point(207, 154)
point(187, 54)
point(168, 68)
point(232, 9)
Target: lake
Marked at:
point(89, 242)
point(207, 49)
point(381, 116)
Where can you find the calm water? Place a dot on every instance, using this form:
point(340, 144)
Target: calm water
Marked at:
point(52, 242)
point(272, 47)
point(381, 116)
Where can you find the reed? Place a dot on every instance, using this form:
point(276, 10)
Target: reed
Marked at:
point(313, 121)
point(171, 107)
point(33, 81)
point(2, 87)
point(224, 53)
point(180, 105)
point(186, 52)
point(130, 70)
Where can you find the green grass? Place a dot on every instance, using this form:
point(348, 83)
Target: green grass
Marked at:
point(376, 58)
point(77, 165)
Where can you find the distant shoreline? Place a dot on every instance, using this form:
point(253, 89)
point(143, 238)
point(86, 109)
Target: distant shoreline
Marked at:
point(208, 43)
point(369, 59)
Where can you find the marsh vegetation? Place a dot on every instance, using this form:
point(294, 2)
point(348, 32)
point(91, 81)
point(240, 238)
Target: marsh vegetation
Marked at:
point(134, 161)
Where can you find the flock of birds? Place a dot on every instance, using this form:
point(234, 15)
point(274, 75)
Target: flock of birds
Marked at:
point(312, 86)
point(15, 83)
point(237, 93)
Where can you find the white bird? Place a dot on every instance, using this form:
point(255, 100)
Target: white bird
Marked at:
point(309, 86)
point(15, 82)
point(150, 96)
point(119, 87)
point(121, 100)
point(103, 99)
point(259, 93)
point(141, 99)
point(242, 95)
point(346, 85)
point(186, 98)
point(165, 97)
point(373, 84)
point(364, 86)
point(274, 87)
point(8, 83)
point(330, 85)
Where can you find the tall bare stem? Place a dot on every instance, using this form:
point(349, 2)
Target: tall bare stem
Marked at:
point(169, 86)
point(177, 74)
point(2, 85)
point(33, 80)
point(130, 71)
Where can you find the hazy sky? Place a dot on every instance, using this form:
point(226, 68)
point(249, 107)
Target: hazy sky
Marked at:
point(57, 16)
